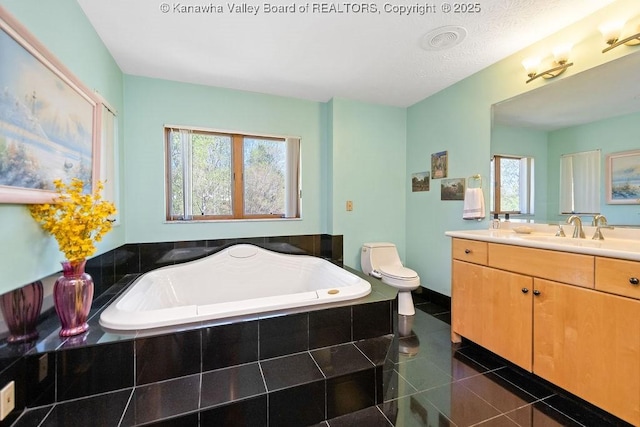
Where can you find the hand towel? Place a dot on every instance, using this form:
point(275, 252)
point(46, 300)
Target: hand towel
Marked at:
point(473, 204)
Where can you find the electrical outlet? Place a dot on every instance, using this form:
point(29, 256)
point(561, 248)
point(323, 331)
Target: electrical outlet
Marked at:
point(7, 400)
point(43, 367)
point(349, 205)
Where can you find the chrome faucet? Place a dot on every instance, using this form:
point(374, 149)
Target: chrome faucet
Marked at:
point(578, 231)
point(600, 222)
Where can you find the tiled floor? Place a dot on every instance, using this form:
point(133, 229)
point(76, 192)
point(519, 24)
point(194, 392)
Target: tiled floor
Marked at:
point(437, 384)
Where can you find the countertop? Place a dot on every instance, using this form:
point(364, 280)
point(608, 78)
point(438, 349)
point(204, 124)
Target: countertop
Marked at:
point(623, 243)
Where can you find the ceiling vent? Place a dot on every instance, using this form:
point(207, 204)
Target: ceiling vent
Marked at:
point(443, 38)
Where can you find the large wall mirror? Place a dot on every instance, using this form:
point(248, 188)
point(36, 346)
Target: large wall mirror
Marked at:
point(596, 111)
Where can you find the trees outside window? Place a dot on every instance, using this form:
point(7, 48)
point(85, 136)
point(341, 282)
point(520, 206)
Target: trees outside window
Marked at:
point(512, 185)
point(215, 175)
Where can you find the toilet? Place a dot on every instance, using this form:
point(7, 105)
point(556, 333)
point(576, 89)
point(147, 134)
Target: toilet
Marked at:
point(381, 260)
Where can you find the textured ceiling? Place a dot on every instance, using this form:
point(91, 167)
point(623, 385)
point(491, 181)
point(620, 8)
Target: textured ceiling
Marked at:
point(370, 57)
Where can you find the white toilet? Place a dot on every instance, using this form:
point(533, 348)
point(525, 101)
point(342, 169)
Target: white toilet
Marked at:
point(381, 260)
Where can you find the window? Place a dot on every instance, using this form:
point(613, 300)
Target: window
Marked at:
point(580, 182)
point(109, 157)
point(513, 185)
point(215, 175)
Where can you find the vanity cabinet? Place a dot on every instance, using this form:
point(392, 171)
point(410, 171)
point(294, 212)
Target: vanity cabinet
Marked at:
point(572, 319)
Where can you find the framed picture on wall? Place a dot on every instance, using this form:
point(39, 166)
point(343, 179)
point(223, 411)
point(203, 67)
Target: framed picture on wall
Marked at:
point(48, 120)
point(623, 178)
point(439, 165)
point(452, 189)
point(420, 181)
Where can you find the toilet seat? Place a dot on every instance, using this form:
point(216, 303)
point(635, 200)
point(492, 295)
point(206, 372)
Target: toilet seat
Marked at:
point(400, 277)
point(398, 272)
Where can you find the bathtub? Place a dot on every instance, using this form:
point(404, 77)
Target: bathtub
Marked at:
point(239, 280)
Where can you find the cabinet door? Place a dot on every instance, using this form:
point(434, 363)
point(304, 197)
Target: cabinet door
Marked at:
point(588, 343)
point(493, 309)
point(507, 318)
point(466, 301)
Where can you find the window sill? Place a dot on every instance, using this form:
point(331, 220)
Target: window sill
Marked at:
point(203, 221)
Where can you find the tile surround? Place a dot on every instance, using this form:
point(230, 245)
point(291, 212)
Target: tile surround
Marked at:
point(152, 367)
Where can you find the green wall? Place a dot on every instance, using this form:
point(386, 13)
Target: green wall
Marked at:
point(368, 146)
point(27, 254)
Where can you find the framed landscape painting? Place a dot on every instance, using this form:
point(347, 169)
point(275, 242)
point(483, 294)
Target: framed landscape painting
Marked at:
point(439, 165)
point(48, 120)
point(623, 178)
point(420, 181)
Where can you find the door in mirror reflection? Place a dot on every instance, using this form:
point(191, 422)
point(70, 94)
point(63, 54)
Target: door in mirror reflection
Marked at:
point(580, 183)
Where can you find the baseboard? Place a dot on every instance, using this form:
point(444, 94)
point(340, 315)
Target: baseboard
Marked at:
point(434, 297)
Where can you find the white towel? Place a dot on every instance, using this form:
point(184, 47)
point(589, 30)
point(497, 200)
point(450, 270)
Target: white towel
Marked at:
point(473, 204)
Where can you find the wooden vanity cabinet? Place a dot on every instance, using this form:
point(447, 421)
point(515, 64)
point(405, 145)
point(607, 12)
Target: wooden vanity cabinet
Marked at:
point(556, 315)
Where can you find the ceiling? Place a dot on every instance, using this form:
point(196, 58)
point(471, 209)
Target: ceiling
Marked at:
point(370, 57)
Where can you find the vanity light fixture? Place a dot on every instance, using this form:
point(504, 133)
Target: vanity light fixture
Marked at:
point(611, 31)
point(560, 64)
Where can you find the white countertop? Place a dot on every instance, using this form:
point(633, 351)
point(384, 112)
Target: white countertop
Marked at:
point(621, 243)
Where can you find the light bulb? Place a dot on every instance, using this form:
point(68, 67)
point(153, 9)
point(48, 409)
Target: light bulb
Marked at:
point(561, 53)
point(531, 66)
point(611, 31)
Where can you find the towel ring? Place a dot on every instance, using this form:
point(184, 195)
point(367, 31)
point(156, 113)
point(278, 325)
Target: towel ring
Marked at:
point(475, 177)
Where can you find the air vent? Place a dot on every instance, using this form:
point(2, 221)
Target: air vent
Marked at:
point(443, 38)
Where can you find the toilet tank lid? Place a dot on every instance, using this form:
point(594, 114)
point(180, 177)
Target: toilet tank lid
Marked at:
point(398, 272)
point(379, 245)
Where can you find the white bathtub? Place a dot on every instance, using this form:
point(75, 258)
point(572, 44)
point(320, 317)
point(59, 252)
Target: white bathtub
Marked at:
point(242, 279)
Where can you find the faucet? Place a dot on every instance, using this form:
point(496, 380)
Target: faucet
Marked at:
point(600, 222)
point(560, 232)
point(578, 231)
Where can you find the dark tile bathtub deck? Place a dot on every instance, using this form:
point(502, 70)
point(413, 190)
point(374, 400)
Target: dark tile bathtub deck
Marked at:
point(303, 364)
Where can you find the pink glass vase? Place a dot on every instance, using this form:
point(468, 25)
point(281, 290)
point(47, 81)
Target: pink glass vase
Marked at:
point(72, 297)
point(20, 310)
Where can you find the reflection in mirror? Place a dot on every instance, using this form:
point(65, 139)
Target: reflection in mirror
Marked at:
point(580, 183)
point(512, 187)
point(598, 109)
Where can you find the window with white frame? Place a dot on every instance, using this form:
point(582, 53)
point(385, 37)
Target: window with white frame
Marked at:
point(221, 175)
point(512, 189)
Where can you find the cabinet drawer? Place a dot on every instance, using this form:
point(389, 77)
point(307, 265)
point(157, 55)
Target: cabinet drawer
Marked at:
point(470, 250)
point(565, 267)
point(618, 276)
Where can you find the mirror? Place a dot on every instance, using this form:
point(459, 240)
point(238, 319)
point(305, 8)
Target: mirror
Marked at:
point(598, 109)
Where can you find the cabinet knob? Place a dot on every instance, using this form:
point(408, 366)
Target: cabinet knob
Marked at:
point(536, 292)
point(634, 280)
point(468, 251)
point(525, 290)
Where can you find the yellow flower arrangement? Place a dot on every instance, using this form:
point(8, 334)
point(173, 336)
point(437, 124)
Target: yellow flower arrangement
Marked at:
point(76, 220)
